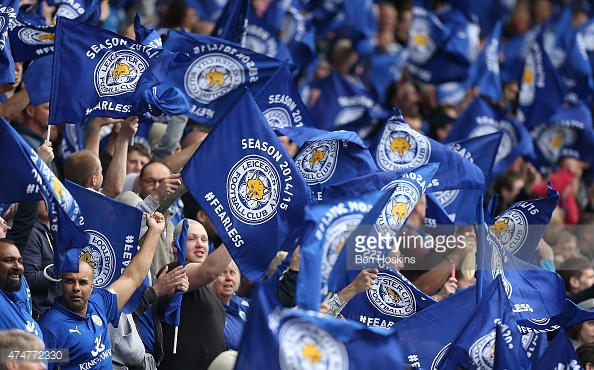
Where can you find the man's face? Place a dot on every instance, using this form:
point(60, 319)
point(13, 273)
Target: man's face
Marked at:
point(224, 285)
point(197, 244)
point(152, 176)
point(77, 288)
point(135, 162)
point(41, 114)
point(11, 267)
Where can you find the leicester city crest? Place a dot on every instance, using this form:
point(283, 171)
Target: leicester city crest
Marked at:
point(528, 85)
point(422, 47)
point(31, 36)
point(400, 147)
point(511, 228)
point(336, 236)
point(497, 268)
point(118, 72)
point(303, 345)
point(446, 197)
point(100, 255)
point(509, 139)
point(394, 214)
point(553, 139)
point(482, 352)
point(391, 296)
point(253, 189)
point(277, 117)
point(348, 115)
point(317, 161)
point(213, 76)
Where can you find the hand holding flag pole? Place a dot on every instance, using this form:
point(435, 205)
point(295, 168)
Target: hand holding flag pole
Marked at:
point(172, 315)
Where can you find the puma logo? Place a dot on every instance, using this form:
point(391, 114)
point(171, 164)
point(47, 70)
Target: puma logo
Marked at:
point(75, 330)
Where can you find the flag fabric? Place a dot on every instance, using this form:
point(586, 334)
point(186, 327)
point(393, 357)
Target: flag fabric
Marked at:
point(576, 70)
point(262, 38)
point(298, 34)
point(520, 227)
point(473, 347)
point(217, 70)
point(398, 146)
point(327, 226)
point(533, 292)
point(567, 133)
point(481, 118)
point(208, 10)
point(281, 103)
point(384, 69)
point(572, 314)
point(542, 91)
point(37, 78)
point(146, 36)
point(560, 354)
point(437, 220)
point(504, 356)
point(342, 105)
point(84, 11)
point(119, 69)
point(255, 189)
point(7, 17)
point(391, 299)
point(481, 151)
point(484, 72)
point(172, 315)
point(112, 243)
point(232, 23)
point(298, 339)
point(31, 179)
point(333, 158)
point(433, 56)
point(427, 335)
point(29, 41)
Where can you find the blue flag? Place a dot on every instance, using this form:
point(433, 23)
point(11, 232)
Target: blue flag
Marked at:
point(217, 70)
point(505, 357)
point(474, 346)
point(7, 16)
point(520, 228)
point(112, 243)
point(342, 105)
point(568, 133)
point(481, 118)
point(391, 299)
point(29, 42)
point(208, 10)
point(232, 23)
point(146, 36)
point(398, 146)
point(328, 225)
point(262, 38)
point(31, 179)
point(281, 103)
point(437, 220)
point(560, 354)
point(427, 335)
point(119, 69)
point(576, 70)
point(299, 35)
point(297, 339)
point(484, 72)
point(38, 78)
point(572, 314)
point(433, 48)
point(333, 158)
point(384, 69)
point(255, 189)
point(84, 11)
point(172, 315)
point(275, 13)
point(541, 90)
point(533, 292)
point(460, 203)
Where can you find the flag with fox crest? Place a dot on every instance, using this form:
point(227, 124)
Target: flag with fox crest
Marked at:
point(252, 189)
point(7, 18)
point(31, 179)
point(218, 68)
point(119, 69)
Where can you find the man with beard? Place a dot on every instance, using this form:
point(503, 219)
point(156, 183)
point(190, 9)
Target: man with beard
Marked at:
point(78, 319)
point(16, 313)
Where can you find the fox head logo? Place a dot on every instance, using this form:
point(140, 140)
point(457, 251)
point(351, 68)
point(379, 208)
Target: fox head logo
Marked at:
point(215, 78)
point(399, 210)
point(400, 145)
point(557, 141)
point(58, 187)
point(527, 76)
point(311, 353)
point(256, 188)
point(391, 297)
point(86, 257)
point(316, 157)
point(420, 39)
point(499, 227)
point(47, 36)
point(121, 70)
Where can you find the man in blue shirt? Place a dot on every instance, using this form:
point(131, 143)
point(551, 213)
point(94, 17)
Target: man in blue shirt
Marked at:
point(78, 319)
point(16, 312)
